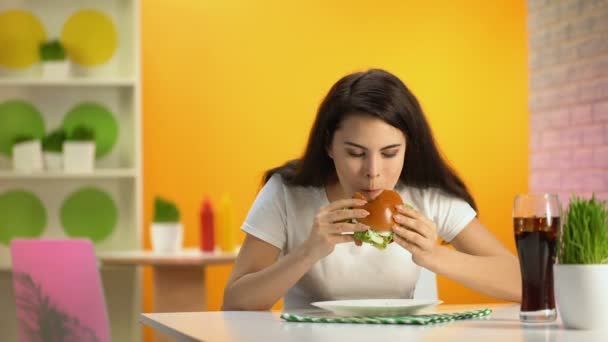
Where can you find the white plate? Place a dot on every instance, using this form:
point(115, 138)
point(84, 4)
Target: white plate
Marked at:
point(376, 307)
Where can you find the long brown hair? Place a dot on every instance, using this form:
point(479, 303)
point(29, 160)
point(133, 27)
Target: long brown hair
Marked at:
point(382, 95)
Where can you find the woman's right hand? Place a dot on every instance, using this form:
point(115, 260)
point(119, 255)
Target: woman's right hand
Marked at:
point(333, 220)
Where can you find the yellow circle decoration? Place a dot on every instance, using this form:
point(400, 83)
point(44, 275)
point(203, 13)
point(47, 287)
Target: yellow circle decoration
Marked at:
point(21, 34)
point(90, 37)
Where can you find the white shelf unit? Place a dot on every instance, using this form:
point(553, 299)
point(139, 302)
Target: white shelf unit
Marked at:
point(69, 82)
point(118, 174)
point(97, 174)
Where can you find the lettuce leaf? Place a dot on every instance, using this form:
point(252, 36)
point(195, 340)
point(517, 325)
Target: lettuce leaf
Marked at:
point(375, 239)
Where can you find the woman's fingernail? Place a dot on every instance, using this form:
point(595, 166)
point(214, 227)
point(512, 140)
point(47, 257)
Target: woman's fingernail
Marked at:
point(398, 217)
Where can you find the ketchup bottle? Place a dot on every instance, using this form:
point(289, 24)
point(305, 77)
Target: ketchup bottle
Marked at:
point(207, 227)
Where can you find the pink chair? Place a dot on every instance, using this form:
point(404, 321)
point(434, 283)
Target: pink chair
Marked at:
point(58, 291)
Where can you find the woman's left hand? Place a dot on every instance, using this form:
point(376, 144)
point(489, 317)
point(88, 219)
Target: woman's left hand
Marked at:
point(416, 233)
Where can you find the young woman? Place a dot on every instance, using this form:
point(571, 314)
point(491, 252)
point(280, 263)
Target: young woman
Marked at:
point(370, 134)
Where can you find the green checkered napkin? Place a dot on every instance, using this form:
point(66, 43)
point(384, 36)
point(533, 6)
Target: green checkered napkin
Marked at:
point(413, 319)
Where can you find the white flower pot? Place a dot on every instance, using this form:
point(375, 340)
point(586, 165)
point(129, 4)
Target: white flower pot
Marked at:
point(53, 161)
point(78, 156)
point(27, 156)
point(582, 295)
point(167, 237)
point(56, 69)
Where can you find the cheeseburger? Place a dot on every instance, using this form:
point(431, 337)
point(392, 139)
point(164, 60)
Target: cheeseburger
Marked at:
point(380, 219)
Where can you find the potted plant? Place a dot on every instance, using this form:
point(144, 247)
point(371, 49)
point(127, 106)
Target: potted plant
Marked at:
point(52, 147)
point(27, 154)
point(581, 271)
point(167, 231)
point(54, 62)
point(79, 150)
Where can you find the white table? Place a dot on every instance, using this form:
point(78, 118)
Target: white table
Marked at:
point(179, 278)
point(502, 325)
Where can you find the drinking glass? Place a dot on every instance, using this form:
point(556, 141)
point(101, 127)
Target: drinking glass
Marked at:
point(536, 221)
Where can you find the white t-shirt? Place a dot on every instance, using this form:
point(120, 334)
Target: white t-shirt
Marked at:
point(282, 216)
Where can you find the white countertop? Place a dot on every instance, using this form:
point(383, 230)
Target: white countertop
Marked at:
point(502, 325)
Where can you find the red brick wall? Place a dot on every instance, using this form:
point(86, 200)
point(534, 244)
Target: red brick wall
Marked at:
point(568, 62)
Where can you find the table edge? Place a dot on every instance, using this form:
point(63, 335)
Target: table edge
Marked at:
point(145, 320)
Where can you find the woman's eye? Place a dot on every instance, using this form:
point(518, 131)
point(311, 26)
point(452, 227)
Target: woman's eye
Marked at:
point(355, 154)
point(362, 154)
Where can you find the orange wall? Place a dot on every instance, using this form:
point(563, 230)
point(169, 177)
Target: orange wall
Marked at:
point(231, 88)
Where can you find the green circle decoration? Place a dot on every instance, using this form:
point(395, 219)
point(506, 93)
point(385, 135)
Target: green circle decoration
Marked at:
point(22, 215)
point(89, 213)
point(18, 117)
point(98, 118)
